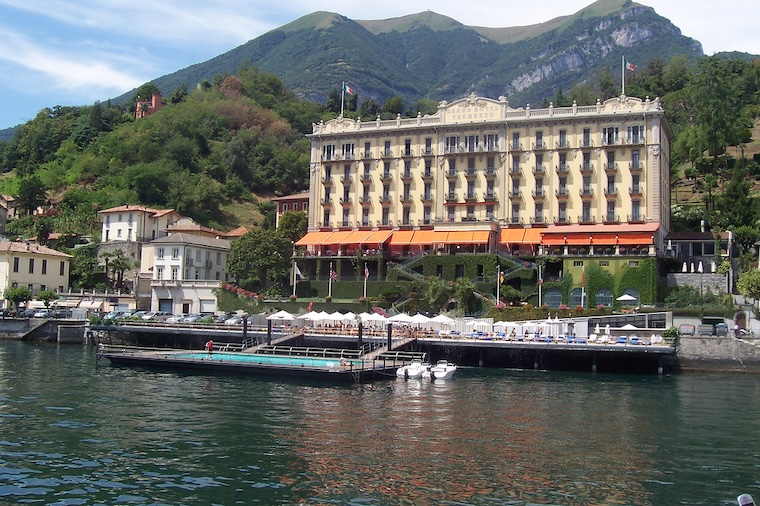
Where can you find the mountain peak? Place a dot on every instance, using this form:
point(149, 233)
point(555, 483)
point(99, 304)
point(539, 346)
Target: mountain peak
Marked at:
point(433, 20)
point(319, 20)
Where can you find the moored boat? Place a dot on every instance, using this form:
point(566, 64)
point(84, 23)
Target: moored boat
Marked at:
point(442, 370)
point(412, 371)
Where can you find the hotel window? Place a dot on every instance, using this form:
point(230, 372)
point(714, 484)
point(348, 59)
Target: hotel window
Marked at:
point(428, 145)
point(539, 216)
point(365, 217)
point(198, 255)
point(515, 187)
point(44, 266)
point(218, 257)
point(326, 218)
point(539, 140)
point(327, 194)
point(451, 213)
point(491, 142)
point(387, 148)
point(471, 213)
point(62, 269)
point(586, 185)
point(562, 186)
point(635, 210)
point(452, 167)
point(15, 264)
point(348, 151)
point(428, 168)
point(604, 263)
point(365, 195)
point(428, 191)
point(635, 159)
point(452, 144)
point(539, 163)
point(515, 213)
point(160, 273)
point(470, 189)
point(490, 165)
point(562, 212)
point(386, 169)
point(586, 218)
point(562, 139)
point(539, 187)
point(611, 160)
point(489, 212)
point(470, 166)
point(426, 215)
point(563, 161)
point(515, 140)
point(611, 211)
point(346, 194)
point(489, 190)
point(188, 256)
point(345, 218)
point(516, 163)
point(175, 273)
point(407, 191)
point(452, 189)
point(407, 168)
point(610, 135)
point(31, 266)
point(386, 193)
point(586, 139)
point(406, 213)
point(407, 147)
point(386, 217)
point(635, 134)
point(636, 185)
point(367, 166)
point(367, 150)
point(586, 161)
point(284, 207)
point(328, 172)
point(347, 172)
point(471, 143)
point(328, 152)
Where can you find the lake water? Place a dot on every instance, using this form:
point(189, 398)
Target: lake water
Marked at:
point(72, 433)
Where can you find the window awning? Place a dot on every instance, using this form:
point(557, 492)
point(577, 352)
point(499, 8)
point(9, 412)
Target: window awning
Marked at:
point(378, 237)
point(604, 239)
point(428, 237)
point(532, 235)
point(578, 239)
point(553, 240)
point(636, 239)
point(357, 237)
point(481, 237)
point(337, 238)
point(511, 235)
point(402, 238)
point(460, 237)
point(313, 239)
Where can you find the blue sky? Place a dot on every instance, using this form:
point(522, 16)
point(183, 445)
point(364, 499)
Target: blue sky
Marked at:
point(75, 52)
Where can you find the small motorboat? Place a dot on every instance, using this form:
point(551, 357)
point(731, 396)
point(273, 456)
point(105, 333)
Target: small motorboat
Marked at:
point(442, 370)
point(745, 500)
point(412, 371)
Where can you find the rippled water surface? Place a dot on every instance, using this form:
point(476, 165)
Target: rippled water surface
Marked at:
point(72, 433)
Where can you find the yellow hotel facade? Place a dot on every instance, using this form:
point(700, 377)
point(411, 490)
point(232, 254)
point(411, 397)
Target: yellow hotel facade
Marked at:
point(480, 176)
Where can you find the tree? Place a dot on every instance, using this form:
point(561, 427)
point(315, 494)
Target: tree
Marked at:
point(47, 296)
point(18, 294)
point(31, 194)
point(394, 105)
point(293, 224)
point(116, 262)
point(749, 284)
point(369, 110)
point(258, 257)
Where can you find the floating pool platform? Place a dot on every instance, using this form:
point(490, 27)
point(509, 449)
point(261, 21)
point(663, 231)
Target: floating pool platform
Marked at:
point(329, 364)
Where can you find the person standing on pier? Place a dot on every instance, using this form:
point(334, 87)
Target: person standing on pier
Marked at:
point(210, 346)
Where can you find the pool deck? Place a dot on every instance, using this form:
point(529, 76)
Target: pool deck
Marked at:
point(327, 366)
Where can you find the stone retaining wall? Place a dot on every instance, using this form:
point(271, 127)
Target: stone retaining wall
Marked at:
point(718, 354)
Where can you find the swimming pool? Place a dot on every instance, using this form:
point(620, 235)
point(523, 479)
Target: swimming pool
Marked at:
point(252, 358)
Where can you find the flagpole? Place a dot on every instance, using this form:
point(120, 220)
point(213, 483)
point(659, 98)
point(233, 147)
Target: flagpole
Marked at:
point(342, 96)
point(329, 283)
point(622, 73)
point(295, 277)
point(498, 284)
point(365, 280)
point(540, 285)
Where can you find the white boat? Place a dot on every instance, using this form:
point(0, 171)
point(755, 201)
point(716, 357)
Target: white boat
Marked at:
point(442, 370)
point(413, 370)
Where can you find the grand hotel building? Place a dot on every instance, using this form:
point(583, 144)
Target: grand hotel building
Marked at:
point(480, 176)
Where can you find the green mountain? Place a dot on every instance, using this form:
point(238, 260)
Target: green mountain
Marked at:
point(427, 55)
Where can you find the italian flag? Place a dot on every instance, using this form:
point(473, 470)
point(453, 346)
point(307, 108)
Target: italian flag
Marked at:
point(629, 66)
point(347, 89)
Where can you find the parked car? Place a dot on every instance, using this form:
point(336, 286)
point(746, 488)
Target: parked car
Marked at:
point(156, 316)
point(177, 318)
point(192, 318)
point(721, 329)
point(235, 320)
point(41, 313)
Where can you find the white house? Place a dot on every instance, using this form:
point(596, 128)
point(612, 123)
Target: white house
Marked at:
point(37, 267)
point(184, 270)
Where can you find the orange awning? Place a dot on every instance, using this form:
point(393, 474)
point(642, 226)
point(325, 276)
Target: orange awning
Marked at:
point(578, 239)
point(357, 237)
point(402, 238)
point(635, 239)
point(553, 240)
point(510, 235)
point(459, 237)
point(378, 237)
point(481, 237)
point(313, 238)
point(604, 239)
point(337, 238)
point(428, 237)
point(532, 235)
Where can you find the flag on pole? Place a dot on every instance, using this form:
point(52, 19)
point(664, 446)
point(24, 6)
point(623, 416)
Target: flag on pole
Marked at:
point(299, 275)
point(333, 275)
point(501, 277)
point(350, 91)
point(629, 66)
point(366, 272)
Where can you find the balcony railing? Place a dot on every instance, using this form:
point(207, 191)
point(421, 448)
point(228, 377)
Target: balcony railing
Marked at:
point(538, 169)
point(562, 168)
point(539, 193)
point(451, 197)
point(563, 144)
point(386, 176)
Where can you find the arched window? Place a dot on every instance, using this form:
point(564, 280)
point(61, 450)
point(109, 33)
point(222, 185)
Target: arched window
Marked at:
point(631, 292)
point(553, 297)
point(576, 297)
point(604, 297)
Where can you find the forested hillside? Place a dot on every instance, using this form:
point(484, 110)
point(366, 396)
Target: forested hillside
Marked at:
point(207, 149)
